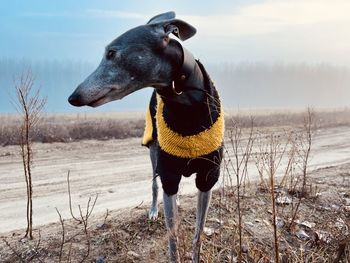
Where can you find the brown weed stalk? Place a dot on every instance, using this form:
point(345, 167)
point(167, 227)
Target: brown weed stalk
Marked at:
point(242, 149)
point(29, 105)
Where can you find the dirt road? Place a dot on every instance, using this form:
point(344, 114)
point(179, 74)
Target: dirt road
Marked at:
point(118, 171)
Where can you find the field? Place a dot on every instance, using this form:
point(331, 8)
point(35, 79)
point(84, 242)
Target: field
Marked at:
point(104, 157)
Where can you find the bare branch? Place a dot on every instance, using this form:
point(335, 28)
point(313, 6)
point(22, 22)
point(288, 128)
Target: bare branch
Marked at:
point(63, 235)
point(70, 199)
point(29, 105)
point(18, 255)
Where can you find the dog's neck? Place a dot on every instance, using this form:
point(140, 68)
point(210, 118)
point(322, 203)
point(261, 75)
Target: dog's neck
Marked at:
point(186, 86)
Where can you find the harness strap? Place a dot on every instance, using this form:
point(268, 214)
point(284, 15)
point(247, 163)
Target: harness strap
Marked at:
point(182, 76)
point(184, 80)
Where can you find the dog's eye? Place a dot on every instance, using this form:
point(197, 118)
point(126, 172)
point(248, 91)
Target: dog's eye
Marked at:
point(110, 54)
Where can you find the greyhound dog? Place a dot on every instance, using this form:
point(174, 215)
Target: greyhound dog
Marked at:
point(185, 123)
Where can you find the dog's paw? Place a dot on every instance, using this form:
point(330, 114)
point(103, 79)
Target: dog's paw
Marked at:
point(178, 201)
point(153, 214)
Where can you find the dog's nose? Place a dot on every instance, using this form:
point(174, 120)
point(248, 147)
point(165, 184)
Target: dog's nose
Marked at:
point(75, 100)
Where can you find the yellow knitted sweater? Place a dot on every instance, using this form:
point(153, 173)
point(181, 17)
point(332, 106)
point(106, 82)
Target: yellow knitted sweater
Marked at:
point(178, 145)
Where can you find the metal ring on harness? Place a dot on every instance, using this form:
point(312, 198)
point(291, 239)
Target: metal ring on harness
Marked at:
point(174, 90)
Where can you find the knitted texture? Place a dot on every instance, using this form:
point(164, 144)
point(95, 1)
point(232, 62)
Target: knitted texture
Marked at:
point(147, 135)
point(191, 146)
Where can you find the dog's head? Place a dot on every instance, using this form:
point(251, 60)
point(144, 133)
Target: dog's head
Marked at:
point(144, 56)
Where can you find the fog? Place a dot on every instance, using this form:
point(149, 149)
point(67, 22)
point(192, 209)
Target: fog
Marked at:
point(254, 85)
point(241, 85)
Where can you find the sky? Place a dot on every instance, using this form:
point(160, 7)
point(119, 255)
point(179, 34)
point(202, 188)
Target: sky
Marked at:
point(241, 32)
point(228, 31)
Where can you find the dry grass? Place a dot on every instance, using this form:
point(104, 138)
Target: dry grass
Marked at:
point(274, 118)
point(128, 236)
point(105, 126)
point(246, 222)
point(73, 127)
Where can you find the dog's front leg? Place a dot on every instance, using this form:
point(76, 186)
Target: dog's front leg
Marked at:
point(170, 211)
point(203, 202)
point(153, 212)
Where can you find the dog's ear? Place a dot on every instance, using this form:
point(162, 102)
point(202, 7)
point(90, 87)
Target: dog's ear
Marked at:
point(162, 17)
point(169, 24)
point(179, 28)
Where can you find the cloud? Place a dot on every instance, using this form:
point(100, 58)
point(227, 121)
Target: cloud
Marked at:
point(254, 19)
point(271, 16)
point(271, 30)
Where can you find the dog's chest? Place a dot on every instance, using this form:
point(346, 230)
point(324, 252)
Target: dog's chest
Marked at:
point(183, 134)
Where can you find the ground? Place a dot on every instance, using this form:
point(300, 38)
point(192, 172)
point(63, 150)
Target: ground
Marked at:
point(124, 234)
point(317, 235)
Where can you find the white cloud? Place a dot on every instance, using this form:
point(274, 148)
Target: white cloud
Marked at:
point(271, 30)
point(271, 16)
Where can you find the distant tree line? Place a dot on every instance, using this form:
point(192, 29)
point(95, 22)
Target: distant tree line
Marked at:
point(241, 85)
point(283, 85)
point(55, 78)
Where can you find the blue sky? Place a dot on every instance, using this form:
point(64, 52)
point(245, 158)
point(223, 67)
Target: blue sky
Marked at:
point(228, 31)
point(79, 30)
point(270, 32)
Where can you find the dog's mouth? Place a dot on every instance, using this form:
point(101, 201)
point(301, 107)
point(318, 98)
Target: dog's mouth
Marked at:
point(112, 94)
point(102, 100)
